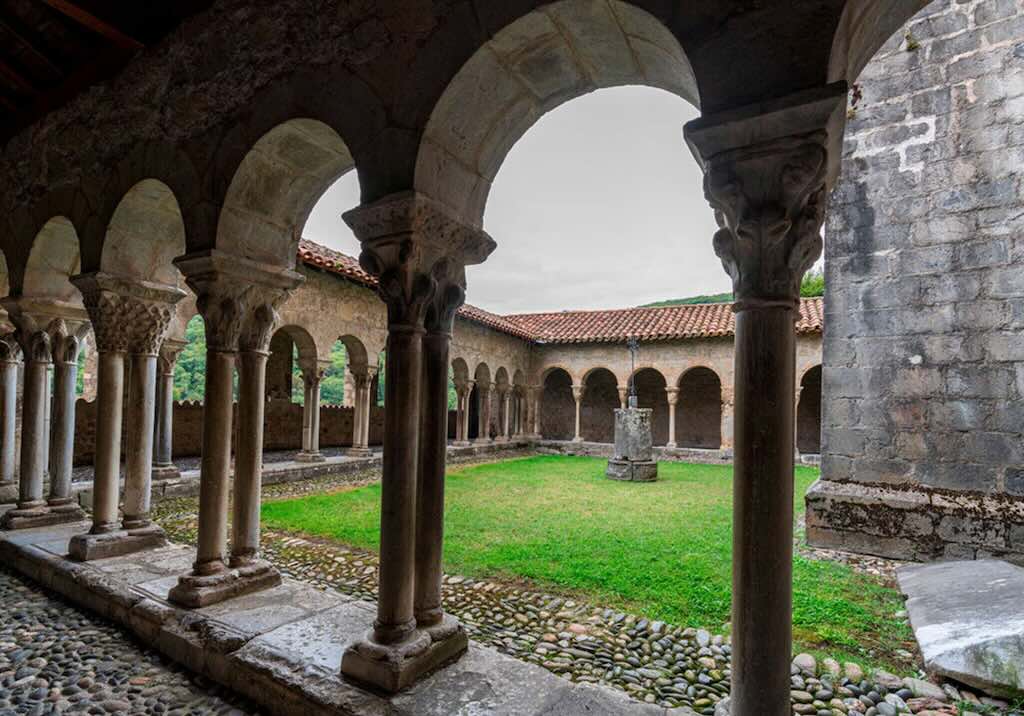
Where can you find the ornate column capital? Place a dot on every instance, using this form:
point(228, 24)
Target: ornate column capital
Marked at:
point(64, 342)
point(418, 251)
point(765, 173)
point(237, 298)
point(38, 321)
point(128, 315)
point(313, 371)
point(168, 356)
point(577, 392)
point(672, 394)
point(10, 351)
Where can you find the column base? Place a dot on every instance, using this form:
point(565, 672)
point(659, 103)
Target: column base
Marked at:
point(310, 457)
point(482, 441)
point(41, 516)
point(501, 439)
point(166, 472)
point(358, 452)
point(87, 547)
point(632, 471)
point(202, 590)
point(460, 443)
point(392, 667)
point(576, 440)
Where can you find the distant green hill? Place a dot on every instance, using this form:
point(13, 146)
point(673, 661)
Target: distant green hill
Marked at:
point(812, 285)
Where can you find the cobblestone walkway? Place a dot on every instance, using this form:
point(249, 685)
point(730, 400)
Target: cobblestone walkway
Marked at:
point(55, 659)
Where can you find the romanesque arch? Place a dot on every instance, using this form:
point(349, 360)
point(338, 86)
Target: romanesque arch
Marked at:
point(699, 409)
point(541, 60)
point(597, 410)
point(557, 406)
point(145, 234)
point(650, 392)
point(808, 413)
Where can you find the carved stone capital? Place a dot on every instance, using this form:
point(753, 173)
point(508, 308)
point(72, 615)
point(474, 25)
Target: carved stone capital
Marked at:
point(168, 357)
point(313, 371)
point(363, 377)
point(64, 344)
point(128, 315)
point(38, 320)
point(237, 298)
point(10, 351)
point(765, 175)
point(418, 251)
point(577, 392)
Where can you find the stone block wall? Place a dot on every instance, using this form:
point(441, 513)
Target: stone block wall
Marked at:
point(923, 378)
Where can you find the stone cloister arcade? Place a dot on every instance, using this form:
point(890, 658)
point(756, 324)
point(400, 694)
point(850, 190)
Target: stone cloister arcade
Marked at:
point(117, 201)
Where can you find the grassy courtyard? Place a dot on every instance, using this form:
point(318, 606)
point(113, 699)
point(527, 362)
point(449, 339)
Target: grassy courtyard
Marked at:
point(661, 550)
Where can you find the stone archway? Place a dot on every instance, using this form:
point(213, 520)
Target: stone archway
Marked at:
point(699, 410)
point(808, 413)
point(557, 406)
point(650, 391)
point(597, 409)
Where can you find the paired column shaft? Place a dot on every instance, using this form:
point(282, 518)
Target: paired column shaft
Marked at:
point(109, 403)
point(62, 441)
point(33, 431)
point(9, 419)
point(577, 396)
point(139, 449)
point(245, 515)
point(673, 399)
point(216, 462)
point(164, 430)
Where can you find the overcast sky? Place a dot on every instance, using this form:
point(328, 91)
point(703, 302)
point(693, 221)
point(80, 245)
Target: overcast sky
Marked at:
point(599, 205)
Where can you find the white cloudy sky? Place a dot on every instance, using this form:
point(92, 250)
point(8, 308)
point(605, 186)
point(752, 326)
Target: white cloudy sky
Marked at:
point(599, 205)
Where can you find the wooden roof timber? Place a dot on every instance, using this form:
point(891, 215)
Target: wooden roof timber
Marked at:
point(90, 21)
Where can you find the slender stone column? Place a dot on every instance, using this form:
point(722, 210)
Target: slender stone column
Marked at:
point(312, 374)
point(363, 379)
point(31, 509)
point(483, 396)
point(727, 424)
point(62, 439)
point(672, 393)
point(129, 317)
point(623, 397)
point(765, 177)
point(163, 437)
point(430, 617)
point(504, 397)
point(577, 396)
point(9, 360)
point(461, 408)
point(465, 410)
point(252, 381)
point(418, 252)
point(536, 392)
point(234, 297)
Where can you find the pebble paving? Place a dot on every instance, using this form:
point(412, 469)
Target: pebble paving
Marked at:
point(55, 659)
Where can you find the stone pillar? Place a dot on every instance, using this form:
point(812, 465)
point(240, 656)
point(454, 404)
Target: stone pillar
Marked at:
point(312, 375)
point(418, 253)
point(623, 397)
point(577, 396)
point(254, 348)
point(233, 296)
point(462, 389)
point(727, 424)
point(363, 380)
point(505, 396)
point(163, 432)
point(535, 394)
point(39, 322)
point(9, 359)
point(129, 317)
point(65, 347)
point(483, 396)
point(765, 177)
point(672, 393)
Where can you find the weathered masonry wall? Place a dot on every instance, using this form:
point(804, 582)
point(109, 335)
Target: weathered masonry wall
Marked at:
point(923, 354)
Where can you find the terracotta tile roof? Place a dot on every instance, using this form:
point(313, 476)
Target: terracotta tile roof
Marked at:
point(704, 320)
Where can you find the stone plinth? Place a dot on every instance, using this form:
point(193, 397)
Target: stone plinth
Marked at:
point(634, 449)
point(86, 547)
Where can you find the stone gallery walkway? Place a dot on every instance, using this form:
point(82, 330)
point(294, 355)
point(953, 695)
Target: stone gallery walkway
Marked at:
point(56, 659)
point(652, 661)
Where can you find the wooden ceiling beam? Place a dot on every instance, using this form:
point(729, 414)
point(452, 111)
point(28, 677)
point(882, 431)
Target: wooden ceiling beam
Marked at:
point(90, 21)
point(17, 79)
point(21, 37)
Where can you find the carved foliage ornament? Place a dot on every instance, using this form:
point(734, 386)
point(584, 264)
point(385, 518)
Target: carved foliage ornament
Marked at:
point(10, 351)
point(127, 324)
point(64, 344)
point(769, 200)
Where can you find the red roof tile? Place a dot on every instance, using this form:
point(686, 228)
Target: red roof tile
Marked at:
point(702, 320)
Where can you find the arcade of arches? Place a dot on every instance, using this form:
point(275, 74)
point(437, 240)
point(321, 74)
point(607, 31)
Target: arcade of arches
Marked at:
point(181, 185)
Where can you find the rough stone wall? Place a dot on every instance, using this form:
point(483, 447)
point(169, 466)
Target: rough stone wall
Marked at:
point(922, 453)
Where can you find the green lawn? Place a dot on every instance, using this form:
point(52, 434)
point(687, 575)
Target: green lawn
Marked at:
point(660, 549)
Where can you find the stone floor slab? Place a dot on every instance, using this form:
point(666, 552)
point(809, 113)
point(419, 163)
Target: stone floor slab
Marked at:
point(968, 618)
point(270, 609)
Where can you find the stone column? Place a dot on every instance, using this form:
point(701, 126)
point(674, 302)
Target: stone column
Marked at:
point(312, 375)
point(483, 396)
point(163, 436)
point(623, 397)
point(129, 317)
point(254, 348)
point(765, 177)
point(418, 253)
point(9, 359)
point(672, 393)
point(65, 347)
point(363, 380)
point(505, 396)
point(535, 394)
point(461, 409)
point(727, 424)
point(231, 292)
point(577, 396)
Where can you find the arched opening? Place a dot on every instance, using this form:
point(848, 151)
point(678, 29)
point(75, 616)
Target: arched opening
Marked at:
point(808, 413)
point(291, 351)
point(276, 186)
point(480, 413)
point(597, 410)
point(650, 393)
point(336, 385)
point(557, 406)
point(54, 258)
point(145, 234)
point(699, 410)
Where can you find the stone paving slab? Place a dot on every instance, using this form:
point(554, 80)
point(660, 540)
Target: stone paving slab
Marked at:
point(282, 648)
point(968, 617)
